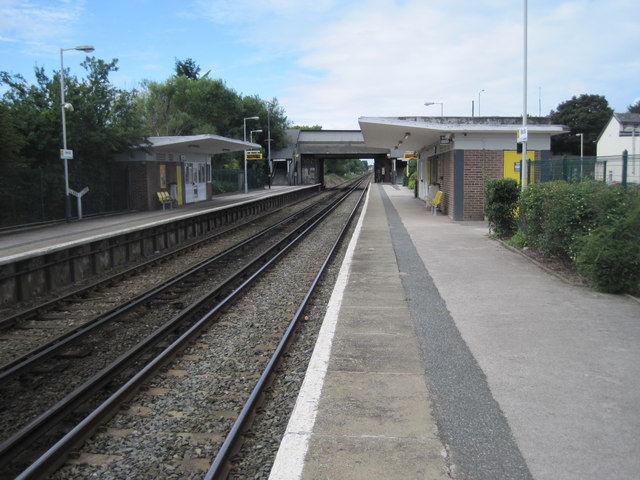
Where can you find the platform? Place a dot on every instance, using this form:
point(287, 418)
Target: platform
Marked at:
point(32, 241)
point(446, 355)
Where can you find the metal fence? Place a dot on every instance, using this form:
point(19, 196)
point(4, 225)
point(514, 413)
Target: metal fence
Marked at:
point(228, 180)
point(37, 195)
point(610, 169)
point(30, 196)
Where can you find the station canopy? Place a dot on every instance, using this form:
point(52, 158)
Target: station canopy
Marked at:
point(414, 133)
point(206, 143)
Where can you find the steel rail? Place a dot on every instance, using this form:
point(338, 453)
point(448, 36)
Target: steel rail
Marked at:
point(219, 467)
point(11, 320)
point(27, 360)
point(58, 452)
point(53, 415)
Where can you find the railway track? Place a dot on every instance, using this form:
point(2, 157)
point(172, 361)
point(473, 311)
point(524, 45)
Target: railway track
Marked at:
point(202, 312)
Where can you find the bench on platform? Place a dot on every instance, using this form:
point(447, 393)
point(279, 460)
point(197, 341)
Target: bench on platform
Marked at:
point(165, 199)
point(435, 202)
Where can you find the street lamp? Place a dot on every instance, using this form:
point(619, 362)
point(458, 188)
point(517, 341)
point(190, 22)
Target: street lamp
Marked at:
point(479, 100)
point(436, 103)
point(64, 154)
point(269, 105)
point(524, 135)
point(581, 135)
point(246, 185)
point(251, 134)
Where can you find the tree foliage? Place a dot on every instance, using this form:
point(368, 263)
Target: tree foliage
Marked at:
point(102, 122)
point(345, 167)
point(106, 120)
point(307, 127)
point(187, 68)
point(586, 114)
point(635, 108)
point(184, 105)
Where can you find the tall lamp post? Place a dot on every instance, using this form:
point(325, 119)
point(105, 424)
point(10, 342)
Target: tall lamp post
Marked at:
point(436, 103)
point(251, 134)
point(523, 135)
point(65, 154)
point(581, 135)
point(269, 143)
point(246, 184)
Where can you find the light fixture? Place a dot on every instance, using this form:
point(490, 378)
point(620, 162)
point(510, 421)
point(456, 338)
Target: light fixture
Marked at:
point(436, 103)
point(67, 106)
point(251, 134)
point(246, 184)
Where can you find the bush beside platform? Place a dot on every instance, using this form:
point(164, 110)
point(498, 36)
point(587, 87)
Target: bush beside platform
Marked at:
point(591, 225)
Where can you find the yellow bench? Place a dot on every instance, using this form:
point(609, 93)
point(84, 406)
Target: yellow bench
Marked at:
point(435, 202)
point(165, 199)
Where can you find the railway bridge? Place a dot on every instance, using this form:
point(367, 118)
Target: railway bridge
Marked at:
point(302, 161)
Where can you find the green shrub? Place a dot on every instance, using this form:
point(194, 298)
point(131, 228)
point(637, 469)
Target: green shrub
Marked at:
point(610, 255)
point(501, 203)
point(554, 216)
point(412, 181)
point(518, 240)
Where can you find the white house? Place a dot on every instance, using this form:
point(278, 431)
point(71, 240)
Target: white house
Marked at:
point(620, 134)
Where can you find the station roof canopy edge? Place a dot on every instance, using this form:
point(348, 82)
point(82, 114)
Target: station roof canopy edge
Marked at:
point(206, 143)
point(414, 133)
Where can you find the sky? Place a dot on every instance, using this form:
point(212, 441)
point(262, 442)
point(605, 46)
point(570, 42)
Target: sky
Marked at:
point(329, 62)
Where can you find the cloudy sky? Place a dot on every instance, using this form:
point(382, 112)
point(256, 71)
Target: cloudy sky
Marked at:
point(331, 61)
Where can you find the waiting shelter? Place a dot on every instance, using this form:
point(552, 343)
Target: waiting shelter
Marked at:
point(178, 165)
point(457, 155)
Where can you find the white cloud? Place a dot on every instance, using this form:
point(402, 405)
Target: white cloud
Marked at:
point(387, 58)
point(39, 26)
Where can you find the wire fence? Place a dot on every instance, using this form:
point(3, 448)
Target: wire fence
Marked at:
point(610, 169)
point(31, 196)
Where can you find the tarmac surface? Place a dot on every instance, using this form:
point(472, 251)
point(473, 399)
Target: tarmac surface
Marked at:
point(38, 240)
point(446, 355)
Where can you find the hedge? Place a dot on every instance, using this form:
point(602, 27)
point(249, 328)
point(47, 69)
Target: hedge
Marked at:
point(592, 224)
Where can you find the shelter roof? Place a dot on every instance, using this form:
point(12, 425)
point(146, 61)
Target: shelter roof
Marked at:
point(205, 143)
point(414, 133)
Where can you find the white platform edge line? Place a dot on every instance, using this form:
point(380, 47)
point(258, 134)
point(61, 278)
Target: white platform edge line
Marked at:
point(289, 461)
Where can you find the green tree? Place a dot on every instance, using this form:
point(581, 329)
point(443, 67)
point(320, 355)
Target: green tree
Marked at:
point(307, 127)
point(103, 121)
point(635, 108)
point(182, 106)
point(187, 68)
point(586, 114)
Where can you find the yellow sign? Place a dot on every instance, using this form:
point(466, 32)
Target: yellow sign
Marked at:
point(254, 156)
point(410, 155)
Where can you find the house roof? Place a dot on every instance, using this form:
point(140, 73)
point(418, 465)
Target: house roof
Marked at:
point(628, 118)
point(206, 143)
point(414, 133)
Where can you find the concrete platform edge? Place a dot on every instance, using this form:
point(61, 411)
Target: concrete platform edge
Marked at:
point(289, 461)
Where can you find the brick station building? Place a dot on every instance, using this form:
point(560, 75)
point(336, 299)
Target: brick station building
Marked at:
point(457, 155)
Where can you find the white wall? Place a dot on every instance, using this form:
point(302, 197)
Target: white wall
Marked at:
point(611, 143)
point(500, 141)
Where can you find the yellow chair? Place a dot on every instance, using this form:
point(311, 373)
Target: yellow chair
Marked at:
point(435, 202)
point(165, 199)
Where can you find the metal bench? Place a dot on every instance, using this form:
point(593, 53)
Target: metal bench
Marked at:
point(165, 199)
